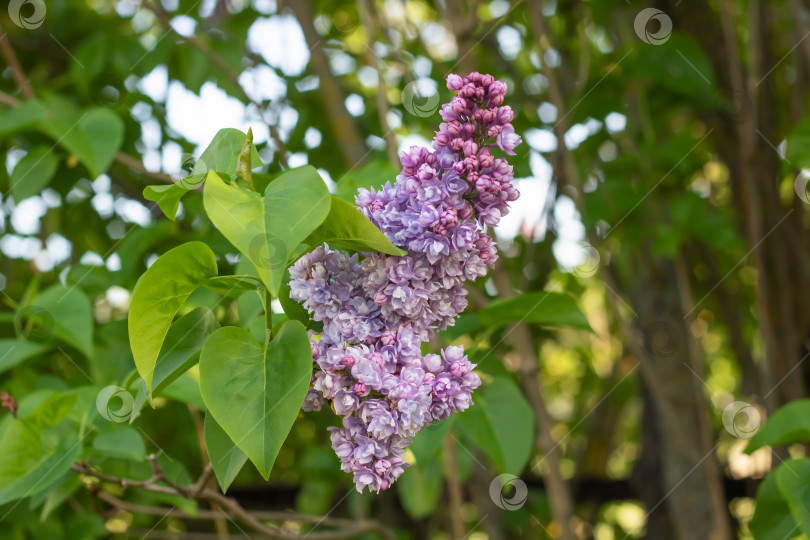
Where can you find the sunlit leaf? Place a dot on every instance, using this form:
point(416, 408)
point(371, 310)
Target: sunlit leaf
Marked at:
point(161, 292)
point(268, 381)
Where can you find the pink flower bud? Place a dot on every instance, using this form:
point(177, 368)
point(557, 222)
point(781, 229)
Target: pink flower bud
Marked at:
point(347, 360)
point(454, 82)
point(505, 114)
point(360, 389)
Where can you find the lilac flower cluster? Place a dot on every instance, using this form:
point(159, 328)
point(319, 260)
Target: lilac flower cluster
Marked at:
point(378, 311)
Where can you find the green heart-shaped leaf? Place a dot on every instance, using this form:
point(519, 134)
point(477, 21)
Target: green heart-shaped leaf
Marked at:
point(254, 391)
point(160, 293)
point(268, 229)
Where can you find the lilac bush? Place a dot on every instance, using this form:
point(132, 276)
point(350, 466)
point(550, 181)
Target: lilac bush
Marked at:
point(378, 309)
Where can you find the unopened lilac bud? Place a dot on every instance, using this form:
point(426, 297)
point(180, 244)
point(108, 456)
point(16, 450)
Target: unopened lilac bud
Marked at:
point(484, 183)
point(348, 361)
point(388, 338)
point(360, 389)
point(505, 114)
point(497, 88)
point(454, 82)
point(458, 369)
point(485, 158)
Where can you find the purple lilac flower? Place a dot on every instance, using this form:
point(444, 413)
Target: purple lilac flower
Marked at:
point(378, 309)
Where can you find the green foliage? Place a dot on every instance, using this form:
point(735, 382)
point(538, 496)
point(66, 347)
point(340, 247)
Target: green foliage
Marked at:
point(93, 136)
point(788, 425)
point(544, 308)
point(226, 458)
point(782, 501)
point(158, 297)
point(268, 229)
point(270, 380)
point(346, 227)
point(16, 351)
point(38, 449)
point(182, 345)
point(421, 488)
point(33, 172)
point(120, 441)
point(67, 315)
point(502, 424)
point(783, 497)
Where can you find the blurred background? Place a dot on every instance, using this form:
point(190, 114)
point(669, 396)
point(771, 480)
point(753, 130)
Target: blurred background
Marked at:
point(662, 190)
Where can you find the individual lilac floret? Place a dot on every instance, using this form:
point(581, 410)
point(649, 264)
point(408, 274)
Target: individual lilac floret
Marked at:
point(378, 309)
